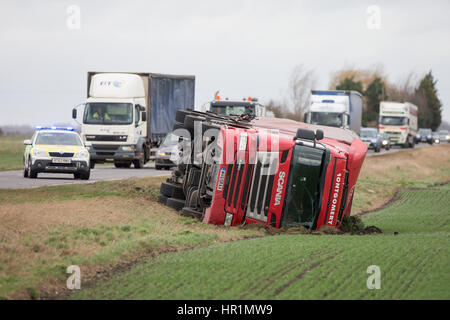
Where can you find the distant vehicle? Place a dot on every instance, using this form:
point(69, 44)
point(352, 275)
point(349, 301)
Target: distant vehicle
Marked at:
point(249, 106)
point(371, 138)
point(444, 136)
point(56, 150)
point(424, 135)
point(385, 141)
point(399, 122)
point(168, 152)
point(338, 108)
point(436, 138)
point(127, 115)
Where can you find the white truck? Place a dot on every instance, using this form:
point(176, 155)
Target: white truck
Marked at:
point(399, 121)
point(127, 115)
point(335, 108)
point(249, 106)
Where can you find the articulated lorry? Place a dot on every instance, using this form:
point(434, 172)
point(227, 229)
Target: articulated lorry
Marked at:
point(338, 108)
point(276, 172)
point(127, 115)
point(399, 122)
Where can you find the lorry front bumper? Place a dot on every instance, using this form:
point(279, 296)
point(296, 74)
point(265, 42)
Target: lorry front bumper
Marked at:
point(166, 162)
point(112, 152)
point(48, 166)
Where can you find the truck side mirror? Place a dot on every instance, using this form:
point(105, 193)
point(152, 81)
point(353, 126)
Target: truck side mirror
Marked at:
point(27, 142)
point(74, 113)
point(305, 134)
point(144, 116)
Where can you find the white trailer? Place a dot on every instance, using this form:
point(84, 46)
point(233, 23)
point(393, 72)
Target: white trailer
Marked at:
point(399, 121)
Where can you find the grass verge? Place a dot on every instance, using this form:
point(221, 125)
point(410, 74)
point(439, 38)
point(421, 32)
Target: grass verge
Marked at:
point(413, 254)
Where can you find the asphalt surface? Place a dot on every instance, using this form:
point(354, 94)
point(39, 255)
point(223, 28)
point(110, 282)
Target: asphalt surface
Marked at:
point(371, 153)
point(15, 180)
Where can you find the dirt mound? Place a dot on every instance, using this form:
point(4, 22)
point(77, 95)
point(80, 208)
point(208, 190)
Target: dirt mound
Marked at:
point(354, 225)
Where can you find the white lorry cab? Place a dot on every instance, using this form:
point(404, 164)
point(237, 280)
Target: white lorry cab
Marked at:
point(127, 115)
point(335, 108)
point(399, 121)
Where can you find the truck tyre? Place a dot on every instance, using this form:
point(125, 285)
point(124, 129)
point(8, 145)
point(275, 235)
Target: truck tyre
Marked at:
point(91, 164)
point(176, 204)
point(162, 199)
point(189, 212)
point(189, 121)
point(172, 190)
point(178, 126)
point(181, 114)
point(76, 175)
point(138, 163)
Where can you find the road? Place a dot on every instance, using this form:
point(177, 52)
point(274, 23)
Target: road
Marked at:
point(15, 180)
point(371, 153)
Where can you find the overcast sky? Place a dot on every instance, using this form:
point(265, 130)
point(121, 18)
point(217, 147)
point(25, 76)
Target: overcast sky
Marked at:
point(242, 48)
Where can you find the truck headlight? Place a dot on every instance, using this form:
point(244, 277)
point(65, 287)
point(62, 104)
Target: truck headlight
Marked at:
point(128, 148)
point(39, 153)
point(384, 142)
point(83, 154)
point(162, 154)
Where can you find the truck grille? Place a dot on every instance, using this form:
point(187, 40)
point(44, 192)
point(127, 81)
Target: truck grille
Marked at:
point(262, 185)
point(61, 154)
point(105, 147)
point(106, 138)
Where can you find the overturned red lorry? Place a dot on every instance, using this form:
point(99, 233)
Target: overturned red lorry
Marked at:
point(237, 170)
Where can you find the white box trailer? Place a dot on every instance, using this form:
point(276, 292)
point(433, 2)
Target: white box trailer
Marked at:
point(399, 121)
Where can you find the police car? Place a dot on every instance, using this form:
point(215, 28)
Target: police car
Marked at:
point(56, 150)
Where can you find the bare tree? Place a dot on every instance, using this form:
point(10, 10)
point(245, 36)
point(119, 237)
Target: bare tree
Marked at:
point(301, 82)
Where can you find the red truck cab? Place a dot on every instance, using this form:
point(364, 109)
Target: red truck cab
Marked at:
point(277, 172)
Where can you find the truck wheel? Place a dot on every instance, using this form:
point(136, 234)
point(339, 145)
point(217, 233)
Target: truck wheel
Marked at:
point(189, 212)
point(176, 204)
point(138, 163)
point(91, 164)
point(76, 176)
point(162, 199)
point(181, 114)
point(172, 190)
point(189, 121)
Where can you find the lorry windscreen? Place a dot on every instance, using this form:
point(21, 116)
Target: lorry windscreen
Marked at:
point(332, 119)
point(232, 110)
point(393, 121)
point(109, 113)
point(304, 186)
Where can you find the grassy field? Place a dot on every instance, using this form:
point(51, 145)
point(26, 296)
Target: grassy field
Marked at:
point(414, 264)
point(97, 226)
point(11, 152)
point(109, 226)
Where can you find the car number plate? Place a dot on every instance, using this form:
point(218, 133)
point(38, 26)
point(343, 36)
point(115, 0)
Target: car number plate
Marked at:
point(61, 160)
